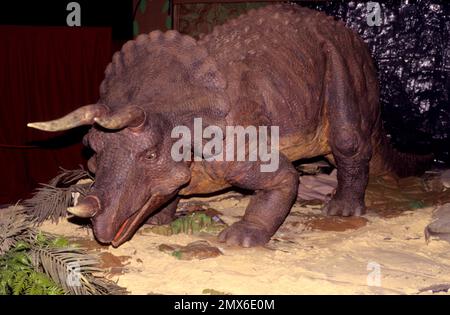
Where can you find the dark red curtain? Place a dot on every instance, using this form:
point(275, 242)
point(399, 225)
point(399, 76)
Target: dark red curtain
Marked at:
point(45, 72)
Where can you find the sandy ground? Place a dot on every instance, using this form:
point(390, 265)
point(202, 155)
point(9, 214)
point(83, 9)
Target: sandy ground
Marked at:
point(310, 254)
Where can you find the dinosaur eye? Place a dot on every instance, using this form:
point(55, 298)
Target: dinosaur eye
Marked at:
point(150, 156)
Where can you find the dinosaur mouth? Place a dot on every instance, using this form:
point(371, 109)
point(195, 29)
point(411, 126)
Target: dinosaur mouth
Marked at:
point(132, 223)
point(125, 231)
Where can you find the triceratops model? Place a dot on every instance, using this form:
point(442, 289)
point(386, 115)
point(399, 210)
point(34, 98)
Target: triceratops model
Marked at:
point(281, 65)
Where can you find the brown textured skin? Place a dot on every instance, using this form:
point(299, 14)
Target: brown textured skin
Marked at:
point(281, 65)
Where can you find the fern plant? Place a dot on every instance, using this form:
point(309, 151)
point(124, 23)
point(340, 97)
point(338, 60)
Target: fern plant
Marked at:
point(51, 200)
point(14, 227)
point(46, 264)
point(33, 262)
point(18, 275)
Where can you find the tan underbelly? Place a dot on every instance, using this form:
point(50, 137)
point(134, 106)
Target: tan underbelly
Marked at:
point(294, 147)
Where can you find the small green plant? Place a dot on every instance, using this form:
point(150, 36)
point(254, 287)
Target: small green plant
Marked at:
point(193, 223)
point(177, 254)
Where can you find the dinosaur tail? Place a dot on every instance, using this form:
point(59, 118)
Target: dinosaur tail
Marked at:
point(387, 159)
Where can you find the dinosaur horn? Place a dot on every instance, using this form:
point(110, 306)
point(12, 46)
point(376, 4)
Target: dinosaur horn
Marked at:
point(130, 116)
point(82, 116)
point(87, 208)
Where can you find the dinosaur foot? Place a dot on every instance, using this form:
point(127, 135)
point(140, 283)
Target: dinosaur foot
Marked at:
point(340, 207)
point(244, 234)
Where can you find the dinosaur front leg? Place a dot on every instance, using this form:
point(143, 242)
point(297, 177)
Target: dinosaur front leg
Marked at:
point(166, 214)
point(274, 196)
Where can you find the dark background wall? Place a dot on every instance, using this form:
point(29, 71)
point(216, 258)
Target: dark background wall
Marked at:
point(46, 70)
point(45, 73)
point(117, 15)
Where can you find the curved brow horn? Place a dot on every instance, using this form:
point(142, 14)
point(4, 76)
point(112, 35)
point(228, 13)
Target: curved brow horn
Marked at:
point(130, 116)
point(82, 116)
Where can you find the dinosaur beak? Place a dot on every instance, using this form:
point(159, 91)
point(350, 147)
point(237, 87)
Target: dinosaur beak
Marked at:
point(87, 208)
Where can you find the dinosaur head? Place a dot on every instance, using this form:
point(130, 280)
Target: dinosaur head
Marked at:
point(149, 82)
point(134, 172)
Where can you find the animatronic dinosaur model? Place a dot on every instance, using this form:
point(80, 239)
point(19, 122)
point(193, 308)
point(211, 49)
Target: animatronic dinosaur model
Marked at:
point(281, 65)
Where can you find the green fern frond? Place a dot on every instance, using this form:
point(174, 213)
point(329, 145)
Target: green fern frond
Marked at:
point(67, 178)
point(17, 275)
point(14, 227)
point(51, 200)
point(73, 269)
point(67, 267)
point(48, 203)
